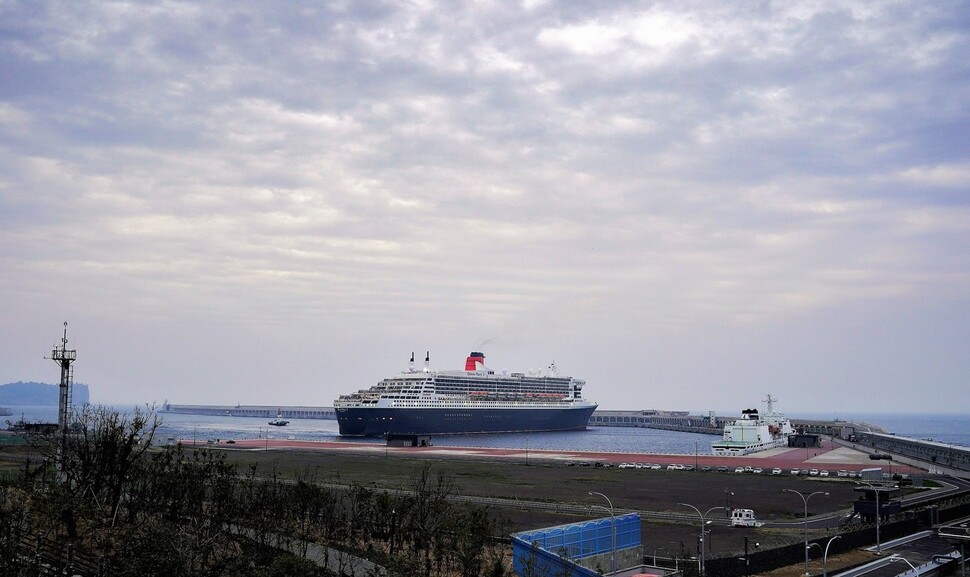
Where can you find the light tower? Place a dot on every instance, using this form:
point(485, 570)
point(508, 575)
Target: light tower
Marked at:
point(64, 357)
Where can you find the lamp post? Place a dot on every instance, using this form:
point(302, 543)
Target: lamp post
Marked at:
point(810, 545)
point(747, 561)
point(805, 501)
point(894, 558)
point(727, 501)
point(700, 561)
point(612, 531)
point(878, 515)
point(825, 557)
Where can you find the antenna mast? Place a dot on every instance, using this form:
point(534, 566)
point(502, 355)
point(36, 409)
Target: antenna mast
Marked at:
point(770, 402)
point(64, 357)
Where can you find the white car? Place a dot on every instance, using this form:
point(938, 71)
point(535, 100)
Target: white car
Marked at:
point(739, 470)
point(823, 473)
point(776, 471)
point(813, 472)
point(758, 470)
point(656, 466)
point(842, 473)
point(794, 471)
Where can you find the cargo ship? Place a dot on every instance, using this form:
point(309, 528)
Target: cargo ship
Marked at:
point(475, 400)
point(754, 432)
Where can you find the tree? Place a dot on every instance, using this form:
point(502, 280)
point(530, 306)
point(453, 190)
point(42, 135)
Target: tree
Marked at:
point(102, 452)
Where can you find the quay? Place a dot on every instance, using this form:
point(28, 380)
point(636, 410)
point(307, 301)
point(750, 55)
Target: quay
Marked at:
point(922, 453)
point(937, 457)
point(712, 424)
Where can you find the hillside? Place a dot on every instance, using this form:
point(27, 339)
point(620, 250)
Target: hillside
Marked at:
point(22, 393)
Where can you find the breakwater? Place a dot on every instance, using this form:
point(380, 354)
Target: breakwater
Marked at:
point(262, 411)
point(682, 421)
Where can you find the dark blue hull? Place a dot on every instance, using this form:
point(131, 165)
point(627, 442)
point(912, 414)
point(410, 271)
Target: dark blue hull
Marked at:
point(374, 422)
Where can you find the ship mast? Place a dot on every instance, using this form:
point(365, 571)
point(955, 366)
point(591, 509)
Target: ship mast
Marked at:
point(768, 402)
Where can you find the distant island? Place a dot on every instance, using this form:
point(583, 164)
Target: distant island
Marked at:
point(42, 394)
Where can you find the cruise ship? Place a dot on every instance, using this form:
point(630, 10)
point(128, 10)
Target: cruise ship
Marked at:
point(754, 432)
point(475, 400)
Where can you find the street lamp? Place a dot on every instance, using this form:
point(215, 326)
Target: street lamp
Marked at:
point(894, 558)
point(825, 557)
point(747, 560)
point(612, 531)
point(878, 515)
point(805, 500)
point(700, 561)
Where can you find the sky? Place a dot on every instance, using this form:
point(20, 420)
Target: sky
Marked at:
point(689, 205)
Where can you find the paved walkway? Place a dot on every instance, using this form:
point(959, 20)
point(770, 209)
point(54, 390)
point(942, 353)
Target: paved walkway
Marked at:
point(333, 560)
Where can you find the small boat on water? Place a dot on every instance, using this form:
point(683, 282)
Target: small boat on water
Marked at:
point(279, 421)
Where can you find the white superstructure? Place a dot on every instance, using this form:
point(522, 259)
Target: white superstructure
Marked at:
point(754, 432)
point(474, 400)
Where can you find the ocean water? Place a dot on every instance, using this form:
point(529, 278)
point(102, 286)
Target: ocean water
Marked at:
point(946, 428)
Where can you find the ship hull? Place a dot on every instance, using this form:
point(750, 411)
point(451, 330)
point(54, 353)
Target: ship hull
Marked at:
point(377, 422)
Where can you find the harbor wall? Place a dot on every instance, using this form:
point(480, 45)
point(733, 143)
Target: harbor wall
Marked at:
point(262, 411)
point(712, 424)
point(935, 453)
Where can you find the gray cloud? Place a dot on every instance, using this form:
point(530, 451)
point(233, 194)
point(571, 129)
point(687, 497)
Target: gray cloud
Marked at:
point(685, 205)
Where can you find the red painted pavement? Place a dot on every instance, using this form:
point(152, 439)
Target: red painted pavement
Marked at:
point(814, 458)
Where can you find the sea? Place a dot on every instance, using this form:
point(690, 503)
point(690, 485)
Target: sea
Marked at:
point(953, 429)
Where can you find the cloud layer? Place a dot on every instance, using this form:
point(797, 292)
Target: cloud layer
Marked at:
point(688, 205)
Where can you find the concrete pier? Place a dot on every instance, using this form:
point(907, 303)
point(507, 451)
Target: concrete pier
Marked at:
point(261, 411)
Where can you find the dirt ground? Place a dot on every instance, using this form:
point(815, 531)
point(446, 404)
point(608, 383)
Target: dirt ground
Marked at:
point(628, 489)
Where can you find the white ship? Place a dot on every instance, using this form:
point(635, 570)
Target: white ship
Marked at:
point(475, 400)
point(754, 432)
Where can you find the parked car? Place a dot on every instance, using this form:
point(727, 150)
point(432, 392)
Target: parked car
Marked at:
point(823, 473)
point(722, 469)
point(776, 471)
point(813, 472)
point(758, 470)
point(739, 470)
point(795, 471)
point(842, 473)
point(706, 469)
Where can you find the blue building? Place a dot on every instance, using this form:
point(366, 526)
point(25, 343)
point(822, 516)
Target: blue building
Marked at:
point(585, 549)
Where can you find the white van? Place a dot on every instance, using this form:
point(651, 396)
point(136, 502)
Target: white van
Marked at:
point(744, 518)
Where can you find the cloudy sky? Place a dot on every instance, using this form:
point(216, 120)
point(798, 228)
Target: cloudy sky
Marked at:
point(687, 204)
